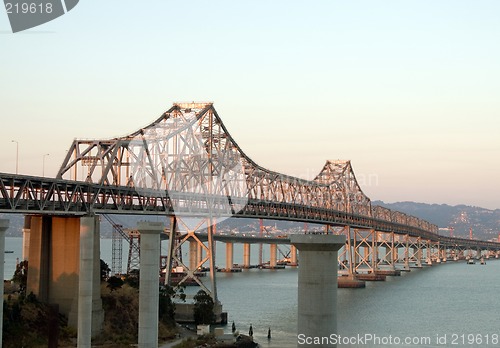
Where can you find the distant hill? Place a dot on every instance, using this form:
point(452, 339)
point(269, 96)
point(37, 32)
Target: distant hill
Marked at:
point(485, 223)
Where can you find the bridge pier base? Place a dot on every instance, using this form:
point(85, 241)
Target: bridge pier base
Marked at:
point(317, 288)
point(4, 224)
point(407, 253)
point(199, 253)
point(55, 266)
point(149, 284)
point(85, 280)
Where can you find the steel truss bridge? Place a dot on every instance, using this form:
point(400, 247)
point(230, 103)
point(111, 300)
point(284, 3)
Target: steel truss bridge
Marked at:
point(186, 164)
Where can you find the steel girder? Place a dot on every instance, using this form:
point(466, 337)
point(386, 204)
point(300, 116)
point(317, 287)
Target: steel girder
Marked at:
point(35, 195)
point(188, 149)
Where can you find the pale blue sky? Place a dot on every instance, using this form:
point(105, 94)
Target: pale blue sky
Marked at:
point(407, 90)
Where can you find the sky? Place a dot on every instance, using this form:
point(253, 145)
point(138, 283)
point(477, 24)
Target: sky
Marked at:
point(406, 90)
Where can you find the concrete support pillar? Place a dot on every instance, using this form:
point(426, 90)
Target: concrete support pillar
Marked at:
point(4, 224)
point(55, 265)
point(38, 266)
point(246, 255)
point(317, 288)
point(293, 255)
point(149, 283)
point(199, 253)
point(85, 282)
point(273, 255)
point(26, 236)
point(193, 254)
point(229, 256)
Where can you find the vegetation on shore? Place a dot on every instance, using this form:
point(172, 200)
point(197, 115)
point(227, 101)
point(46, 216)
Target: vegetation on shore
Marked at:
point(27, 321)
point(30, 323)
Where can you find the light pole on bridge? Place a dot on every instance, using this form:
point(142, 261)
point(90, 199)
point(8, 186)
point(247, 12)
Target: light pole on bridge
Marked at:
point(17, 155)
point(43, 164)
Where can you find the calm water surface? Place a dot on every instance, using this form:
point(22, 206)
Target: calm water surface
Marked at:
point(434, 302)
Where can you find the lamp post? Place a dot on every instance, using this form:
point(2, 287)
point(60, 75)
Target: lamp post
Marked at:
point(17, 155)
point(43, 165)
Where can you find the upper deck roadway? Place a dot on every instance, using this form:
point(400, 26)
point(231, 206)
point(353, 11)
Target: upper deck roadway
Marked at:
point(185, 163)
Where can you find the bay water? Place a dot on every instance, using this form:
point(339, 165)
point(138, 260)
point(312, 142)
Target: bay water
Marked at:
point(446, 305)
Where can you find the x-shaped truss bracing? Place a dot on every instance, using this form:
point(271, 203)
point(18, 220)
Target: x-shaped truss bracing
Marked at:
point(180, 233)
point(386, 241)
point(415, 247)
point(432, 252)
point(344, 254)
point(365, 251)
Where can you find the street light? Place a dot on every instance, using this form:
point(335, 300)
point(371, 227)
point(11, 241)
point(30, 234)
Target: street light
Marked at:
point(43, 165)
point(17, 155)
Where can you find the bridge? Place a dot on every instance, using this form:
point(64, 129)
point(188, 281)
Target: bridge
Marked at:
point(186, 165)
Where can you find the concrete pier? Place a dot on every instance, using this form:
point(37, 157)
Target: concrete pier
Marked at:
point(389, 272)
point(273, 255)
point(229, 256)
point(148, 283)
point(317, 288)
point(371, 277)
point(246, 255)
point(85, 281)
point(350, 282)
point(193, 254)
point(199, 253)
point(293, 255)
point(54, 265)
point(4, 224)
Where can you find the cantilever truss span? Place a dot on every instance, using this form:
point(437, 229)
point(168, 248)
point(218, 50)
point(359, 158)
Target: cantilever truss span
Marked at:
point(188, 149)
point(186, 163)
